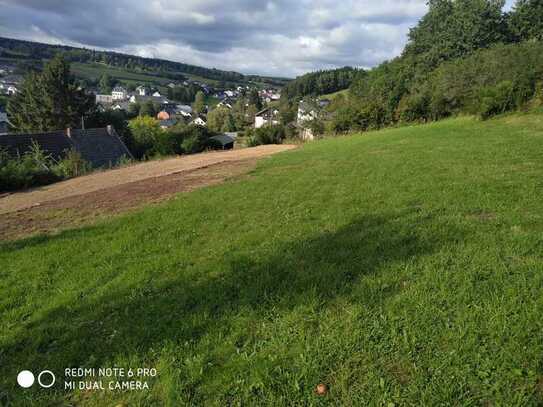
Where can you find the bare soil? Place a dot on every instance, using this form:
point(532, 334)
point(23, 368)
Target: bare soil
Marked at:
point(81, 201)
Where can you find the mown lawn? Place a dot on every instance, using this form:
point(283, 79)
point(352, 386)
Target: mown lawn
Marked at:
point(402, 267)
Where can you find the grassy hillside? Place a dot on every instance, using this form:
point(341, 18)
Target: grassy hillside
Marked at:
point(400, 267)
point(92, 64)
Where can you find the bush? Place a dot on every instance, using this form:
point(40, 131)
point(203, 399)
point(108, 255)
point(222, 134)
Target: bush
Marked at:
point(32, 169)
point(486, 82)
point(146, 132)
point(73, 165)
point(415, 107)
point(496, 99)
point(266, 135)
point(36, 168)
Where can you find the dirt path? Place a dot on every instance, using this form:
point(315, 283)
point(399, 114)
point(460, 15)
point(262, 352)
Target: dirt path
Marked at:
point(82, 201)
point(107, 179)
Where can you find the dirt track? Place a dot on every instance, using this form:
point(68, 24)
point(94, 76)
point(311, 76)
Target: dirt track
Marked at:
point(107, 179)
point(82, 200)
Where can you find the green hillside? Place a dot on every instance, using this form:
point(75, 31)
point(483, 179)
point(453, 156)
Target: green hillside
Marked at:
point(91, 64)
point(400, 267)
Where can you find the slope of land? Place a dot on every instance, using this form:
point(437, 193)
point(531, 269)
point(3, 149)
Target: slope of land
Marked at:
point(400, 267)
point(112, 178)
point(94, 63)
point(82, 200)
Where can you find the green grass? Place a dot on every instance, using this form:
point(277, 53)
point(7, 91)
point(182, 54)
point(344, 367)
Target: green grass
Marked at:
point(332, 96)
point(95, 71)
point(401, 267)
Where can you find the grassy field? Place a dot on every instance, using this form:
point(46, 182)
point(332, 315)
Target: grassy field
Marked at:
point(95, 71)
point(401, 267)
point(332, 96)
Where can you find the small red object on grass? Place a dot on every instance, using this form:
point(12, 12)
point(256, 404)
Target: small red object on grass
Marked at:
point(321, 389)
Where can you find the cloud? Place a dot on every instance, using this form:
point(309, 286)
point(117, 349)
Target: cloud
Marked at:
point(274, 37)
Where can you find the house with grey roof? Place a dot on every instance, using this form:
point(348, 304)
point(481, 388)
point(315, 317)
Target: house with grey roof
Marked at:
point(100, 147)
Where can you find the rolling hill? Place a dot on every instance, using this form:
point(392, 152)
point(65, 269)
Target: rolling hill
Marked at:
point(91, 64)
point(398, 267)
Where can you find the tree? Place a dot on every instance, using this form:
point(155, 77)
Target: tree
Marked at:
point(254, 99)
point(146, 133)
point(319, 83)
point(455, 28)
point(526, 20)
point(134, 110)
point(106, 84)
point(148, 109)
point(229, 124)
point(199, 105)
point(220, 119)
point(50, 100)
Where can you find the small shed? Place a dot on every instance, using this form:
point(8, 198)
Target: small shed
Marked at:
point(222, 142)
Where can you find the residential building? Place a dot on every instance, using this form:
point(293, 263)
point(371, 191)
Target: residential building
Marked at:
point(183, 110)
point(142, 99)
point(142, 91)
point(100, 147)
point(199, 121)
point(106, 99)
point(119, 93)
point(267, 117)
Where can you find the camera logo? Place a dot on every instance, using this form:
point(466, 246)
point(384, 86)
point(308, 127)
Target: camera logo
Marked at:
point(46, 379)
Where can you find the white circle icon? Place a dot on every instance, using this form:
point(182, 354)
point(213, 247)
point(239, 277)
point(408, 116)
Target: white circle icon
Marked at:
point(25, 378)
point(41, 380)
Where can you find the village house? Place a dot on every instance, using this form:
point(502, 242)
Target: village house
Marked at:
point(183, 110)
point(267, 117)
point(199, 121)
point(142, 90)
point(124, 105)
point(119, 93)
point(105, 99)
point(142, 99)
point(226, 102)
point(307, 112)
point(100, 147)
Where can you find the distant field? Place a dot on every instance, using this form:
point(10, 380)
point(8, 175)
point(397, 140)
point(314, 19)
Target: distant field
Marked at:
point(334, 95)
point(95, 71)
point(400, 267)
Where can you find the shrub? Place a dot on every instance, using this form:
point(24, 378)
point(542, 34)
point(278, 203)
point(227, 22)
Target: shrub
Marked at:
point(266, 135)
point(414, 107)
point(496, 99)
point(32, 169)
point(73, 165)
point(146, 132)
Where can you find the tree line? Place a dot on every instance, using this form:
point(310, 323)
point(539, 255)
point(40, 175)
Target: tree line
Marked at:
point(319, 83)
point(464, 56)
point(25, 50)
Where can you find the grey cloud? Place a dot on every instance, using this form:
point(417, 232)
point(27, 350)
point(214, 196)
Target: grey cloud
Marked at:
point(278, 37)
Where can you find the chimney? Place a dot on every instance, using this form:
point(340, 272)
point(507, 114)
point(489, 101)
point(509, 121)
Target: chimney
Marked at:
point(69, 132)
point(109, 129)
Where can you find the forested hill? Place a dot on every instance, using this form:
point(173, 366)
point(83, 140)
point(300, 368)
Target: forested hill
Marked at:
point(37, 52)
point(320, 83)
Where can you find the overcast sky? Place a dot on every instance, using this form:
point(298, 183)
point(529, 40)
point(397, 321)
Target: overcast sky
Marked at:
point(273, 37)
